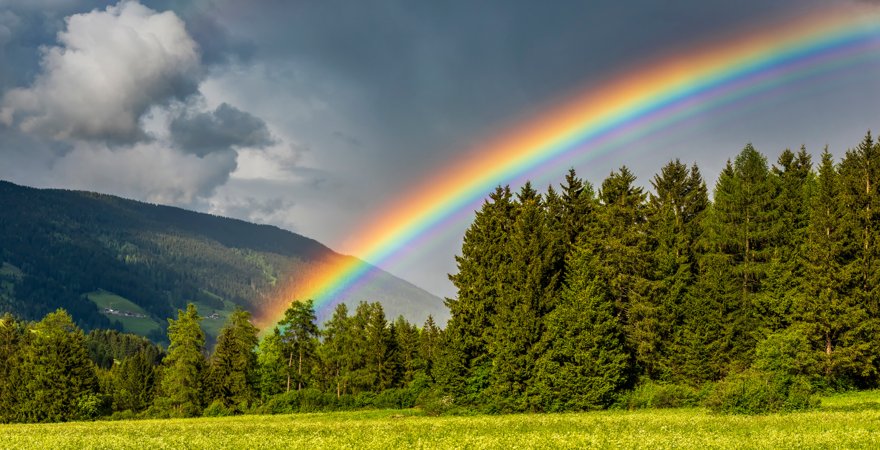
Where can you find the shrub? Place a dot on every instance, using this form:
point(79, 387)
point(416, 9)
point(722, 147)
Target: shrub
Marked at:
point(218, 409)
point(660, 395)
point(758, 392)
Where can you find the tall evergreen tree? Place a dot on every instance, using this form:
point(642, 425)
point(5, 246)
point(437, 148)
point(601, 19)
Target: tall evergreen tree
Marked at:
point(585, 362)
point(11, 342)
point(674, 212)
point(619, 242)
point(464, 365)
point(134, 381)
point(859, 176)
point(56, 371)
point(299, 338)
point(526, 297)
point(337, 351)
point(272, 364)
point(184, 364)
point(836, 323)
point(232, 373)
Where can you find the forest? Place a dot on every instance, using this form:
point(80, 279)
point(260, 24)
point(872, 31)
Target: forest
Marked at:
point(577, 298)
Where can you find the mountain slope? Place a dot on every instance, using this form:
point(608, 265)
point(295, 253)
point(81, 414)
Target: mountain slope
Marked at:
point(128, 264)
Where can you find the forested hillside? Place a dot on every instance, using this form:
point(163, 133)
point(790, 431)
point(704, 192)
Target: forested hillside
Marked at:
point(90, 253)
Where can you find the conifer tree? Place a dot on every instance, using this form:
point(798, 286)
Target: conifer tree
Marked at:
point(464, 364)
point(619, 242)
point(337, 351)
point(429, 345)
point(272, 365)
point(299, 339)
point(859, 176)
point(11, 342)
point(134, 380)
point(792, 176)
point(836, 323)
point(232, 373)
point(674, 211)
point(182, 376)
point(585, 362)
point(56, 372)
point(409, 358)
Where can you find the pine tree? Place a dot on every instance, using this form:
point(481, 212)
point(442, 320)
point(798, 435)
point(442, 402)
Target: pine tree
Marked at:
point(299, 339)
point(134, 381)
point(410, 361)
point(859, 197)
point(12, 340)
point(429, 345)
point(585, 363)
point(56, 371)
point(272, 365)
point(184, 364)
point(526, 297)
point(464, 364)
point(836, 323)
point(619, 242)
point(792, 176)
point(337, 352)
point(232, 374)
point(675, 210)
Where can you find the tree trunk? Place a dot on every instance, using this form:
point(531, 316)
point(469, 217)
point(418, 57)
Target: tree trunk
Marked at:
point(299, 372)
point(289, 365)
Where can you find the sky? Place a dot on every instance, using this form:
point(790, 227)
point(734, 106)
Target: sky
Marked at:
point(316, 116)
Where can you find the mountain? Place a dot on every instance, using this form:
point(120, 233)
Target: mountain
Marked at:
point(113, 262)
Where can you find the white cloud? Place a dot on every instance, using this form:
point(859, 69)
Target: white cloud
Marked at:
point(109, 68)
point(148, 171)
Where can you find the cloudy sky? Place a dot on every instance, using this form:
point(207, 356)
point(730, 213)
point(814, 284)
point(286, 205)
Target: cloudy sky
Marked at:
point(315, 115)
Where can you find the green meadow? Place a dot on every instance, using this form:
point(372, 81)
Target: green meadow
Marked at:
point(843, 421)
point(133, 318)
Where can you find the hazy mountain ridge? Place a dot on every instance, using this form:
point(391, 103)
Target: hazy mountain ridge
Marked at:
point(58, 246)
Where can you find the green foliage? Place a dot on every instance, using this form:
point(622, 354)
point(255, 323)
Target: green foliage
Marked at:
point(183, 366)
point(232, 373)
point(299, 340)
point(661, 395)
point(755, 392)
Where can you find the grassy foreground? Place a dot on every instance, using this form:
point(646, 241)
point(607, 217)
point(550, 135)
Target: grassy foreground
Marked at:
point(844, 421)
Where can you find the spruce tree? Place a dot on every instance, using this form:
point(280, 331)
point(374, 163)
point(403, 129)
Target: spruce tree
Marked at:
point(675, 210)
point(337, 352)
point(526, 297)
point(585, 362)
point(836, 323)
point(134, 381)
point(464, 364)
point(272, 365)
point(619, 241)
point(232, 376)
point(184, 365)
point(56, 372)
point(11, 342)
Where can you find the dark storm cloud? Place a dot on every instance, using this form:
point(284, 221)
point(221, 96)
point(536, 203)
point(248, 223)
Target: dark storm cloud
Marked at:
point(435, 74)
point(202, 133)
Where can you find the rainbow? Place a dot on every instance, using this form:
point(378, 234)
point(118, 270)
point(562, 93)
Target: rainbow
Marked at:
point(637, 102)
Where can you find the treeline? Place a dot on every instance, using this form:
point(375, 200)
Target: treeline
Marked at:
point(570, 299)
point(51, 371)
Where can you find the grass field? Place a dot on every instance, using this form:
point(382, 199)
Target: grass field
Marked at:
point(138, 325)
point(847, 421)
